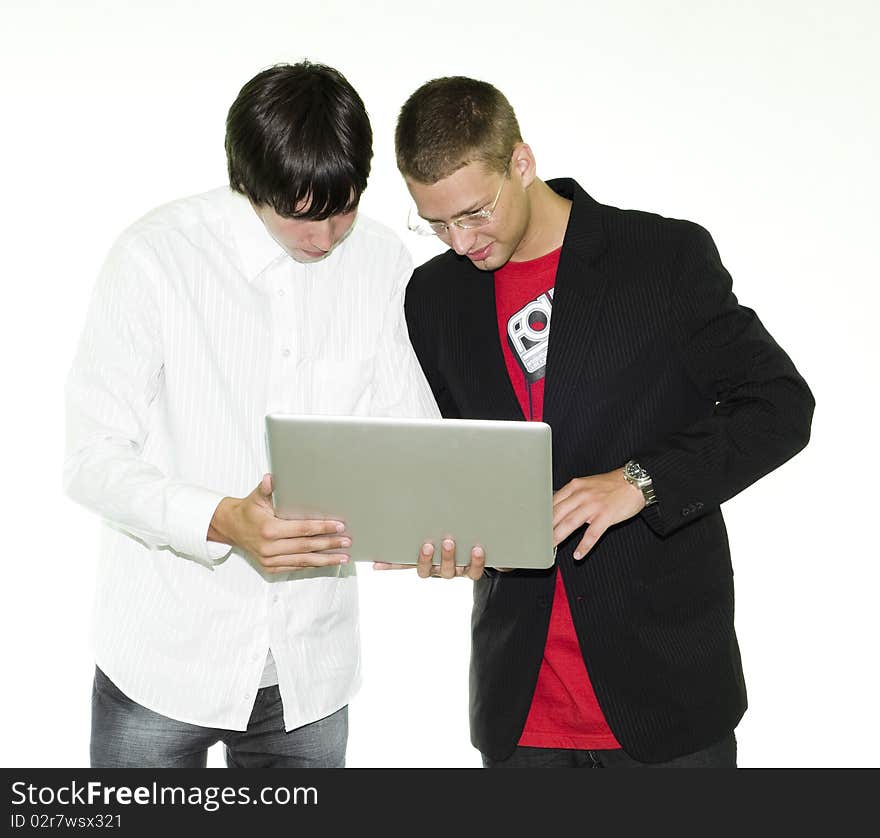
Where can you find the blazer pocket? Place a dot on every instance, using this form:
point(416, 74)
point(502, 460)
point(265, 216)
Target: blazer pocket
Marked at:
point(691, 587)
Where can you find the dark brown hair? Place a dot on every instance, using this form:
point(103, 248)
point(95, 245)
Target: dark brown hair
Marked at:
point(299, 134)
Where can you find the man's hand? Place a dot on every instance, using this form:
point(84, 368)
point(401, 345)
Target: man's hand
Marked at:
point(600, 501)
point(278, 545)
point(447, 569)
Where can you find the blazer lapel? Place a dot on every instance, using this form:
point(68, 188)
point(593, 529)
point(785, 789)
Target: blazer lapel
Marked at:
point(488, 374)
point(578, 299)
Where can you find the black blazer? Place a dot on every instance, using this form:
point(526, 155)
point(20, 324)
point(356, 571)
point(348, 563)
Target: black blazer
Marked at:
point(650, 357)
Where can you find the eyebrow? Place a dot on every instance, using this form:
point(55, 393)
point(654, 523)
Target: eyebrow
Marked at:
point(473, 208)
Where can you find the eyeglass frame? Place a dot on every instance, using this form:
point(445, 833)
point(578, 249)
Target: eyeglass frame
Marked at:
point(484, 214)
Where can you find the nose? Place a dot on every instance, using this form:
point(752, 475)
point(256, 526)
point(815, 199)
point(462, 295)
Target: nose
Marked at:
point(462, 240)
point(321, 235)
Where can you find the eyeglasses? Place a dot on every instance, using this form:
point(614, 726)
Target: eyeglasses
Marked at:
point(468, 221)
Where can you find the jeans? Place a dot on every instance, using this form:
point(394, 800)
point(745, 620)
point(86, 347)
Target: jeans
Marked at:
point(127, 735)
point(720, 755)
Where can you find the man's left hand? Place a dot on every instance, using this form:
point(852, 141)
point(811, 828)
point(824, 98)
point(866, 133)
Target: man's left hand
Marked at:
point(600, 501)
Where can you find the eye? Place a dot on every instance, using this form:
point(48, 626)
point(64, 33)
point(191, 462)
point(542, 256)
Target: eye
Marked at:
point(474, 219)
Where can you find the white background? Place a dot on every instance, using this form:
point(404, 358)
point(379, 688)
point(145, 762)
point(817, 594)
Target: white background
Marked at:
point(756, 119)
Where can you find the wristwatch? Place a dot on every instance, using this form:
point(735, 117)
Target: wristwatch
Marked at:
point(635, 474)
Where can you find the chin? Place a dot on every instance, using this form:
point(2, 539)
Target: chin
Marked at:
point(300, 256)
point(494, 262)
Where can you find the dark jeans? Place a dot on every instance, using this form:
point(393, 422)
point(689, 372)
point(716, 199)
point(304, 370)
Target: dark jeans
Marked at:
point(127, 735)
point(720, 755)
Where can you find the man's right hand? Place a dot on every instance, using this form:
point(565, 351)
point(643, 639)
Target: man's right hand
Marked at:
point(277, 544)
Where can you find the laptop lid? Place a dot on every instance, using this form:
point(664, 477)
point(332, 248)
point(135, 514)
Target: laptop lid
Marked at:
point(397, 483)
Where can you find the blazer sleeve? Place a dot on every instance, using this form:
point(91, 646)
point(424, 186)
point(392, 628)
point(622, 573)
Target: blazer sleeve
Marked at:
point(423, 317)
point(763, 407)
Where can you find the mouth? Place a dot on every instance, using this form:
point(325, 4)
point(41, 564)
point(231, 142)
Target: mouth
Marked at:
point(315, 254)
point(480, 255)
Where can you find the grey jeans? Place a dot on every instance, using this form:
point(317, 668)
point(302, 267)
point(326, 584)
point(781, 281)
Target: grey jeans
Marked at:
point(127, 735)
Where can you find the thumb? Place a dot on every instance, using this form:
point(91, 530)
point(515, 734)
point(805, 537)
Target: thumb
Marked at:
point(264, 490)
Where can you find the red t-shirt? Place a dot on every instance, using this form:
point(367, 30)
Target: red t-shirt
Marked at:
point(564, 711)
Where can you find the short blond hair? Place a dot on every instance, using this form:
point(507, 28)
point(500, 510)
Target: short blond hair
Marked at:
point(450, 122)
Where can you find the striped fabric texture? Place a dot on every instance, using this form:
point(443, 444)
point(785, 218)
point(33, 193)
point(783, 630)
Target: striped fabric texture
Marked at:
point(200, 325)
point(651, 357)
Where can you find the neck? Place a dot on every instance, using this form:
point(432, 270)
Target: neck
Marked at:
point(548, 220)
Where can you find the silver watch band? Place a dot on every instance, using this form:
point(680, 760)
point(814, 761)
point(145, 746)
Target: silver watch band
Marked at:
point(633, 473)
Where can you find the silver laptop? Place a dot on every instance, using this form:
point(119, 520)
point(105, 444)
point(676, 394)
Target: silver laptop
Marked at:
point(397, 483)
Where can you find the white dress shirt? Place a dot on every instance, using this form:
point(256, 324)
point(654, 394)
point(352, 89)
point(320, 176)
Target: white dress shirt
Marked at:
point(199, 326)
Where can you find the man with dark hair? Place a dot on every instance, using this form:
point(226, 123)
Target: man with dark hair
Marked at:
point(215, 620)
point(666, 398)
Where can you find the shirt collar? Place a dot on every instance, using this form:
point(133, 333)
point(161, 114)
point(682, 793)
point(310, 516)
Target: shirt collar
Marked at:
point(256, 248)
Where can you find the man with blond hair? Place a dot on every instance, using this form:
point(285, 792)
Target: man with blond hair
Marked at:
point(666, 398)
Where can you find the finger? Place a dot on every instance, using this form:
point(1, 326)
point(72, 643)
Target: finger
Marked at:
point(564, 492)
point(315, 544)
point(577, 518)
point(565, 507)
point(562, 532)
point(389, 566)
point(561, 496)
point(447, 558)
point(261, 497)
point(594, 532)
point(478, 563)
point(426, 556)
point(300, 561)
point(297, 528)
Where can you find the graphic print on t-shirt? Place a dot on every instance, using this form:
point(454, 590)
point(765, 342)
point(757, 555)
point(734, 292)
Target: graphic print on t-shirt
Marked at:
point(528, 332)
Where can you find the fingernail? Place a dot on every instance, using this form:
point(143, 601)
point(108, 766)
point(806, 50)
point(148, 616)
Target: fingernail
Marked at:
point(345, 542)
point(428, 549)
point(448, 544)
point(343, 560)
point(577, 555)
point(478, 552)
point(340, 528)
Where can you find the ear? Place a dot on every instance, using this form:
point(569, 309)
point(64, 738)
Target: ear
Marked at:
point(523, 164)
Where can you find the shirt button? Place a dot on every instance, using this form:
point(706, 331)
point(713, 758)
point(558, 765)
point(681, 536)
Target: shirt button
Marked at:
point(280, 292)
point(285, 352)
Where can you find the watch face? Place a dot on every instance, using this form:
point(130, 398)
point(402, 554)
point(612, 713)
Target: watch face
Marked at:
point(635, 471)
